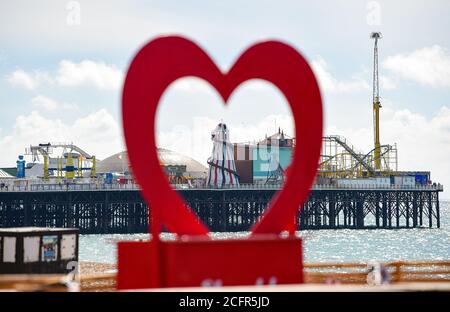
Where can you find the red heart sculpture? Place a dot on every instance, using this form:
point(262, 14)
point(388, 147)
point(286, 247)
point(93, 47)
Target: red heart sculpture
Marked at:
point(164, 60)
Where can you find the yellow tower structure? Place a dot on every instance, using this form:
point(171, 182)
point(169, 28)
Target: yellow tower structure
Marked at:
point(45, 168)
point(376, 103)
point(70, 169)
point(80, 166)
point(59, 169)
point(94, 167)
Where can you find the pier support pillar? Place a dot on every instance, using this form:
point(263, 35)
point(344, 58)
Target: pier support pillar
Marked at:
point(359, 214)
point(438, 214)
point(420, 209)
point(377, 211)
point(384, 211)
point(416, 199)
point(397, 211)
point(390, 211)
point(430, 211)
point(407, 213)
point(332, 214)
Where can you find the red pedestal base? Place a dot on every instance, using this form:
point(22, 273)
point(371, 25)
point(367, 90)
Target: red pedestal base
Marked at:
point(199, 261)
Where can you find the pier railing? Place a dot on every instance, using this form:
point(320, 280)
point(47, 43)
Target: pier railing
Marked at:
point(332, 274)
point(329, 273)
point(47, 187)
point(396, 272)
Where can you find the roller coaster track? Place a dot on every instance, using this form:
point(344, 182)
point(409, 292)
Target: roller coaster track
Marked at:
point(359, 158)
point(355, 155)
point(385, 149)
point(43, 149)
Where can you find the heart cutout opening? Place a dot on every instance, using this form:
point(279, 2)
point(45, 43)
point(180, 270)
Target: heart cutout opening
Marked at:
point(164, 60)
point(251, 150)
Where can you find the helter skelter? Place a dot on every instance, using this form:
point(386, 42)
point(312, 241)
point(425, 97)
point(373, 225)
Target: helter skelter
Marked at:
point(222, 167)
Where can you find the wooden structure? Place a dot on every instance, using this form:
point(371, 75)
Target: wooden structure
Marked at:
point(36, 250)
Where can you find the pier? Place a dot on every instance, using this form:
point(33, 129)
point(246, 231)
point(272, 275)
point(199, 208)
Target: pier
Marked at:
point(107, 209)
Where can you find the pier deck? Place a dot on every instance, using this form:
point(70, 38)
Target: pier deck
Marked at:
point(104, 209)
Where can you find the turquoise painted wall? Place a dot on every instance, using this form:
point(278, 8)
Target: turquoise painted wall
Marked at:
point(265, 159)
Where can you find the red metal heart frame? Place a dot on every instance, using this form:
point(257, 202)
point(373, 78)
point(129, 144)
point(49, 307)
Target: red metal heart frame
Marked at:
point(162, 61)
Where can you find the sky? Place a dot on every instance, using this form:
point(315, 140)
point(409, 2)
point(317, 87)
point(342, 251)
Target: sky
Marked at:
point(62, 65)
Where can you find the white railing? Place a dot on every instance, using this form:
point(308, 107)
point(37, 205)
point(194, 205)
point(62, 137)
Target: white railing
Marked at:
point(437, 187)
point(257, 186)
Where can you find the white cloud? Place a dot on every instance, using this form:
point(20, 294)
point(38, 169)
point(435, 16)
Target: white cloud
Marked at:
point(43, 102)
point(331, 84)
point(428, 66)
point(71, 74)
point(20, 78)
point(89, 73)
point(97, 133)
point(49, 104)
point(192, 85)
point(387, 83)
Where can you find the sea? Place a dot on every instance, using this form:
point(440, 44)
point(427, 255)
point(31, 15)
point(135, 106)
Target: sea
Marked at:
point(341, 245)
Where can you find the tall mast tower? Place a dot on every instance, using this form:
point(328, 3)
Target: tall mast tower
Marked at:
point(376, 102)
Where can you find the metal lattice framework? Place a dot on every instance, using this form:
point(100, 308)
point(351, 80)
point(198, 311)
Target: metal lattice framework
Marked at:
point(47, 149)
point(221, 210)
point(339, 159)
